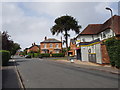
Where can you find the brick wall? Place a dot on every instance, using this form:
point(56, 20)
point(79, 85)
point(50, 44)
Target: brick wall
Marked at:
point(51, 49)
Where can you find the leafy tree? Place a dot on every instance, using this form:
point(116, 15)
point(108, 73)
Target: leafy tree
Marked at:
point(63, 25)
point(8, 44)
point(25, 51)
point(15, 48)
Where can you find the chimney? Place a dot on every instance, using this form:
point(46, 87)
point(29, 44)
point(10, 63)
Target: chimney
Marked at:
point(34, 43)
point(45, 38)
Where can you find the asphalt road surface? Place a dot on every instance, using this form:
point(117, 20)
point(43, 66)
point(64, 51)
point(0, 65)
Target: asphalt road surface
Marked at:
point(43, 73)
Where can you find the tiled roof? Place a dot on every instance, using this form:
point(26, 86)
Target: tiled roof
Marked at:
point(34, 45)
point(91, 29)
point(51, 40)
point(97, 28)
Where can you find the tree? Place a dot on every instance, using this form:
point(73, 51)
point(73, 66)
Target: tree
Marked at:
point(63, 25)
point(15, 48)
point(8, 44)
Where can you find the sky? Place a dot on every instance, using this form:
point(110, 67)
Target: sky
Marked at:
point(29, 22)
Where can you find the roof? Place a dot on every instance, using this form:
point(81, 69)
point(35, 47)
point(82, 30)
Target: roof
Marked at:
point(34, 45)
point(51, 40)
point(115, 26)
point(91, 29)
point(97, 28)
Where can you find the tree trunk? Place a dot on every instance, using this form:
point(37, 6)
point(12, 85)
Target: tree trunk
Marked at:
point(66, 38)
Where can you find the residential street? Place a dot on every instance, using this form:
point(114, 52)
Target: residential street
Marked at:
point(44, 73)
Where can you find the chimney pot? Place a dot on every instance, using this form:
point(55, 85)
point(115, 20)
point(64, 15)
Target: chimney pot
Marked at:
point(45, 38)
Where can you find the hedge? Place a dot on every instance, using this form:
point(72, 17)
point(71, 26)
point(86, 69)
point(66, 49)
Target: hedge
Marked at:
point(5, 56)
point(113, 48)
point(34, 54)
point(58, 55)
point(45, 54)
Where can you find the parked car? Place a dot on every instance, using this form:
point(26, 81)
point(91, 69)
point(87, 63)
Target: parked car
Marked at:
point(21, 55)
point(27, 56)
point(40, 56)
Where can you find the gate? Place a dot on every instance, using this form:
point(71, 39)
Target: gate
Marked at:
point(92, 57)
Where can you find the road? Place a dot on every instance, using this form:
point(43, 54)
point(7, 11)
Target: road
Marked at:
point(44, 73)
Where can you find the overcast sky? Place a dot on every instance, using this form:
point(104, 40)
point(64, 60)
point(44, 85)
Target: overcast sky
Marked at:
point(29, 22)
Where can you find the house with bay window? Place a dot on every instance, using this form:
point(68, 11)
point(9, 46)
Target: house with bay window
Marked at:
point(51, 45)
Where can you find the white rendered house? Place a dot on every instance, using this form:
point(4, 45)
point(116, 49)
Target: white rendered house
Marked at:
point(91, 39)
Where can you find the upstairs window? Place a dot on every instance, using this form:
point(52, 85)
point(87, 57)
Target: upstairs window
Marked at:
point(51, 45)
point(57, 45)
point(83, 39)
point(45, 45)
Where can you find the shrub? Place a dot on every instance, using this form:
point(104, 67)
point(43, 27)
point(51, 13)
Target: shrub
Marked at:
point(45, 54)
point(113, 48)
point(5, 56)
point(58, 55)
point(36, 55)
point(29, 54)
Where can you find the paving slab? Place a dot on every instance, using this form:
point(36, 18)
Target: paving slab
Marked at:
point(90, 65)
point(9, 77)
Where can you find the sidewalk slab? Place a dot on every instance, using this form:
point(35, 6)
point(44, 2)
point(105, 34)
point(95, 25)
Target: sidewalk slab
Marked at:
point(93, 66)
point(9, 77)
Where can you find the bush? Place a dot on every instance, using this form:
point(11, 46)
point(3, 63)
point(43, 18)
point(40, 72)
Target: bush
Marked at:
point(5, 56)
point(113, 48)
point(58, 55)
point(36, 55)
point(45, 54)
point(30, 54)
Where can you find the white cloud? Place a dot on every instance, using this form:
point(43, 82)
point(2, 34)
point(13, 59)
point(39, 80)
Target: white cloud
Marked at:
point(59, 0)
point(31, 22)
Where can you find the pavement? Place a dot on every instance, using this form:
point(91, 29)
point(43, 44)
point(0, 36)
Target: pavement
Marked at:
point(10, 79)
point(90, 65)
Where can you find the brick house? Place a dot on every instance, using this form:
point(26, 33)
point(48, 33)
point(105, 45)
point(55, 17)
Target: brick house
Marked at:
point(51, 45)
point(72, 50)
point(91, 47)
point(34, 48)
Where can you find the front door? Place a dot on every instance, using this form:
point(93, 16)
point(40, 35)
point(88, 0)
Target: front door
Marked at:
point(78, 54)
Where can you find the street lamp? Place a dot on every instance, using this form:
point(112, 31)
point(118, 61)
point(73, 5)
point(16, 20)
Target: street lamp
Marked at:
point(107, 8)
point(110, 10)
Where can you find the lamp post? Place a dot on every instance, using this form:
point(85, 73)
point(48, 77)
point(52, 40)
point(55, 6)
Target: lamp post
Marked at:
point(110, 10)
point(107, 8)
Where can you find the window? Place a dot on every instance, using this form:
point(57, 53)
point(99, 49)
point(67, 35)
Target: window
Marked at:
point(51, 46)
point(57, 45)
point(45, 45)
point(83, 39)
point(57, 51)
point(104, 35)
point(101, 35)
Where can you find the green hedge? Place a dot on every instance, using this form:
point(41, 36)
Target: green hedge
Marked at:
point(45, 54)
point(34, 54)
point(113, 48)
point(58, 55)
point(5, 56)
